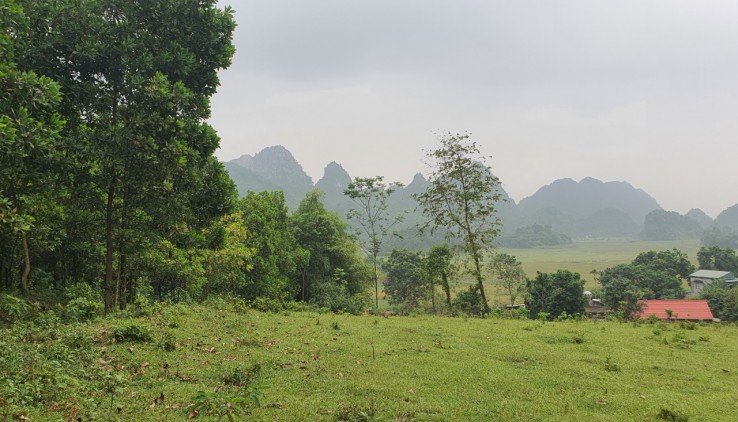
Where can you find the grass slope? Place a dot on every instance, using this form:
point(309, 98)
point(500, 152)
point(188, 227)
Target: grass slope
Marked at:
point(341, 367)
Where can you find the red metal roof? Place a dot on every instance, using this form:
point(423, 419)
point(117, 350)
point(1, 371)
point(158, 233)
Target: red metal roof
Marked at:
point(681, 309)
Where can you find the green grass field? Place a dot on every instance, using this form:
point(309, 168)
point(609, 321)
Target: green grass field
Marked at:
point(341, 367)
point(585, 255)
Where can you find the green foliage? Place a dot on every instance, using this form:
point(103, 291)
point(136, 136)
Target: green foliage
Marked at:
point(651, 275)
point(671, 261)
point(508, 273)
point(469, 302)
point(135, 172)
point(13, 308)
point(555, 293)
point(83, 303)
point(440, 269)
point(331, 271)
point(717, 258)
point(168, 343)
point(371, 195)
point(242, 378)
point(133, 333)
point(406, 284)
point(462, 199)
point(730, 305)
point(269, 235)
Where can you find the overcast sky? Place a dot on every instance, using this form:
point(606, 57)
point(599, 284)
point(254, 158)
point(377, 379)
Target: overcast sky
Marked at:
point(633, 90)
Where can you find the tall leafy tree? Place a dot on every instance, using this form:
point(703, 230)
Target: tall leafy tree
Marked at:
point(331, 270)
point(671, 261)
point(555, 293)
point(462, 199)
point(29, 129)
point(508, 273)
point(269, 235)
point(370, 195)
point(406, 283)
point(717, 258)
point(137, 77)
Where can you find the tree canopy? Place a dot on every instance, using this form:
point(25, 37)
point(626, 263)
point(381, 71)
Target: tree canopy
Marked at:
point(462, 199)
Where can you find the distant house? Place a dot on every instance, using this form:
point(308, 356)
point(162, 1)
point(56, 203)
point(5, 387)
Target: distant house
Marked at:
point(681, 310)
point(700, 279)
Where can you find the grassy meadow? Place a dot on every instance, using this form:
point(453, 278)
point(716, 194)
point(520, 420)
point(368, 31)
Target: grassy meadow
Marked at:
point(341, 367)
point(208, 362)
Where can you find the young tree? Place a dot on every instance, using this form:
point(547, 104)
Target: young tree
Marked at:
point(439, 266)
point(462, 198)
point(406, 284)
point(555, 293)
point(371, 194)
point(508, 273)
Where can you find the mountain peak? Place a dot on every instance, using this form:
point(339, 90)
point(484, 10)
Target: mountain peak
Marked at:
point(279, 167)
point(335, 178)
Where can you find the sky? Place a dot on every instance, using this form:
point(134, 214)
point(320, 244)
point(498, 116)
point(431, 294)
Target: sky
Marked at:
point(629, 90)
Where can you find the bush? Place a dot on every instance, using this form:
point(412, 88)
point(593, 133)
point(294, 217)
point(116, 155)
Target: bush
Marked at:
point(81, 309)
point(13, 309)
point(131, 333)
point(469, 302)
point(266, 304)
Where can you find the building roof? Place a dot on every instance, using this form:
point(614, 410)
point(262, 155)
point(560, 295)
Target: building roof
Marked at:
point(681, 309)
point(709, 274)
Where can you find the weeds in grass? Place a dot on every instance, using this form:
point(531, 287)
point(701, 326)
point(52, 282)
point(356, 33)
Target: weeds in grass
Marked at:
point(347, 413)
point(669, 415)
point(168, 343)
point(242, 378)
point(611, 366)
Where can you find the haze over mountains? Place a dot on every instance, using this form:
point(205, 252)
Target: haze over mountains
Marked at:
point(588, 208)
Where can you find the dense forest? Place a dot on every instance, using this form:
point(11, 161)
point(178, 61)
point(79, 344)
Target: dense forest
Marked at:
point(107, 174)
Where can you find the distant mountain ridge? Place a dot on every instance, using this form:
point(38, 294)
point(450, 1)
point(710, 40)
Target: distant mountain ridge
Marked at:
point(588, 208)
point(582, 199)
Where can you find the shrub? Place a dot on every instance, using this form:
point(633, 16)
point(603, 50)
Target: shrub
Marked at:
point(81, 309)
point(131, 333)
point(12, 308)
point(469, 302)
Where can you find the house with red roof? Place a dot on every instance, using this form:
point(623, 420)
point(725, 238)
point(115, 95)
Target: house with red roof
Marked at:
point(681, 310)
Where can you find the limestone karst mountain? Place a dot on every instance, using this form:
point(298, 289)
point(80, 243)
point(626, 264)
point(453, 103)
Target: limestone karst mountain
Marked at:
point(274, 166)
point(588, 208)
point(699, 216)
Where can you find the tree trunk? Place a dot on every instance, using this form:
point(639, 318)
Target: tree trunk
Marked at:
point(447, 289)
point(109, 283)
point(433, 295)
point(480, 283)
point(27, 264)
point(376, 284)
point(122, 285)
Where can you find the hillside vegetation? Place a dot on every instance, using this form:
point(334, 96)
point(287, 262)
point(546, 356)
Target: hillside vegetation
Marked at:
point(190, 360)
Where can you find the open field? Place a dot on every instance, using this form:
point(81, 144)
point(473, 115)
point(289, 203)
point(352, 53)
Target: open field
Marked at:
point(585, 255)
point(340, 367)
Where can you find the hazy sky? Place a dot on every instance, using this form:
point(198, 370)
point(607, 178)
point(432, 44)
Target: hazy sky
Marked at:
point(634, 90)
